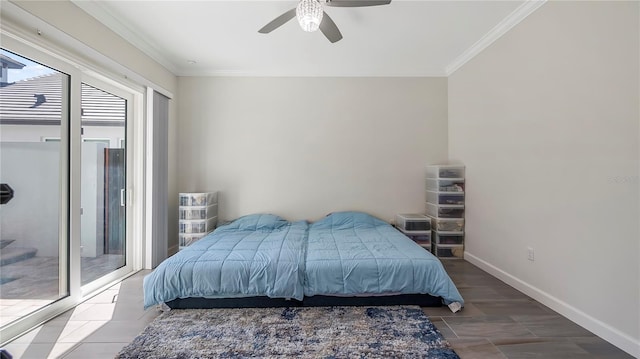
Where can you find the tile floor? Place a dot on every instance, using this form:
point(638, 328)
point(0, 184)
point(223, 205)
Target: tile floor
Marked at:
point(96, 329)
point(497, 322)
point(34, 282)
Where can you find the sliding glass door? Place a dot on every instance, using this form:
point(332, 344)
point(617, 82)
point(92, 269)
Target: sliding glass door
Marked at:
point(65, 183)
point(104, 181)
point(34, 241)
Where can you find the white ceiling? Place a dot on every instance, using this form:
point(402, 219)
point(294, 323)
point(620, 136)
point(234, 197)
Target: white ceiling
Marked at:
point(404, 38)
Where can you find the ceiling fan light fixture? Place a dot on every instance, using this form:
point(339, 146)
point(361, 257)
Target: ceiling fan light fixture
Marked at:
point(309, 14)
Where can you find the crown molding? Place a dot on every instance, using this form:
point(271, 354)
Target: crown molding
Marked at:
point(519, 14)
point(240, 73)
point(110, 20)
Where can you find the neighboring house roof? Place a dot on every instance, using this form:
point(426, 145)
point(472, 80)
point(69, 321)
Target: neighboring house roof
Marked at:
point(21, 105)
point(38, 101)
point(100, 108)
point(10, 63)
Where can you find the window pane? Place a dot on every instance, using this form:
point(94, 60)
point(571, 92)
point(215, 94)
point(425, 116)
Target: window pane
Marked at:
point(103, 183)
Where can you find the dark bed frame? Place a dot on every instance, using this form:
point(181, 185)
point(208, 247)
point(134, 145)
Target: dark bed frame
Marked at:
point(423, 300)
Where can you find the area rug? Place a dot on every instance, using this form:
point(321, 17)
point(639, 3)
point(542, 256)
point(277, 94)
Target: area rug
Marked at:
point(315, 332)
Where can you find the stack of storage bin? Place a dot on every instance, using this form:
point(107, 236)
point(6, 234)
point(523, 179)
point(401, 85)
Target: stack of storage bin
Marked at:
point(445, 207)
point(417, 227)
point(198, 215)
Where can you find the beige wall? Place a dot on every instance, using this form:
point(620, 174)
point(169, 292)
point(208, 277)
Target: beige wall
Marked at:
point(547, 121)
point(304, 147)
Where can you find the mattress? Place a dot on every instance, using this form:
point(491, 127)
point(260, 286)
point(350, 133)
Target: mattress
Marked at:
point(355, 254)
point(256, 255)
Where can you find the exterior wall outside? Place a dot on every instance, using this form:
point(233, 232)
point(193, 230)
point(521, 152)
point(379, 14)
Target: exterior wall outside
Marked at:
point(34, 133)
point(22, 165)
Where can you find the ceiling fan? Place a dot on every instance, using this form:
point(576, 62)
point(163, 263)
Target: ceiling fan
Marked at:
point(311, 16)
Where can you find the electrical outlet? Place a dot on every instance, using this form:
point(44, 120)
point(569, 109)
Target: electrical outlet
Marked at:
point(530, 255)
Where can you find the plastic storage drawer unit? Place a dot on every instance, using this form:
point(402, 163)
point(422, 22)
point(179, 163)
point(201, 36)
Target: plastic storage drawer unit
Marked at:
point(198, 199)
point(421, 238)
point(448, 238)
point(197, 226)
point(445, 185)
point(447, 224)
point(447, 251)
point(187, 239)
point(445, 211)
point(445, 197)
point(445, 171)
point(413, 222)
point(198, 212)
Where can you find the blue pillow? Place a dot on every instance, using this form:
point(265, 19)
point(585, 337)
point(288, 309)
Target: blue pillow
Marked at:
point(349, 219)
point(255, 222)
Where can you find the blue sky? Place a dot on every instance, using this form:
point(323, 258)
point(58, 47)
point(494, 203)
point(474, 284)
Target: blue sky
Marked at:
point(32, 69)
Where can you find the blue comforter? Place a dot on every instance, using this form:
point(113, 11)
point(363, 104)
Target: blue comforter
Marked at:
point(353, 254)
point(256, 255)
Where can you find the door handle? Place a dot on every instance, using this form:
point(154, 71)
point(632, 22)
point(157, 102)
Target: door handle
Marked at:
point(6, 193)
point(122, 198)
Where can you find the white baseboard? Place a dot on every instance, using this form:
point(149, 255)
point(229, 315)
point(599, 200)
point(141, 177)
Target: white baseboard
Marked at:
point(612, 335)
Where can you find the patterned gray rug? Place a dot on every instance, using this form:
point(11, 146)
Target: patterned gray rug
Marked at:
point(320, 332)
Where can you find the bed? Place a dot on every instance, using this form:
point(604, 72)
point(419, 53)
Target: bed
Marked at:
point(262, 260)
point(255, 259)
point(352, 256)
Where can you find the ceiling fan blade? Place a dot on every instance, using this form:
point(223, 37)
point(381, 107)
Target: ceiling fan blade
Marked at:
point(330, 29)
point(356, 3)
point(279, 21)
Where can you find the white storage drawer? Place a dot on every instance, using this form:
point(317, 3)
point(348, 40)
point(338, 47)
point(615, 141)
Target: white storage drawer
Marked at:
point(445, 197)
point(419, 237)
point(198, 212)
point(198, 199)
point(445, 171)
point(413, 222)
point(197, 226)
point(447, 251)
point(423, 239)
point(445, 185)
point(447, 224)
point(448, 238)
point(186, 239)
point(445, 211)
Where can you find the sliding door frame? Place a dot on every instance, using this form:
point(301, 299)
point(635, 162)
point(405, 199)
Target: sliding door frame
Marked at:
point(30, 46)
point(68, 145)
point(114, 89)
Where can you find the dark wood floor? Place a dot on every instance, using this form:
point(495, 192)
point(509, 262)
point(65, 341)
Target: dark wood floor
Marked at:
point(500, 322)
